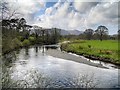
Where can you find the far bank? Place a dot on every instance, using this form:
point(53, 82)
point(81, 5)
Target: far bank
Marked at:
point(106, 50)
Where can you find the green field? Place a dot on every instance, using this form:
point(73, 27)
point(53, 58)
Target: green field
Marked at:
point(107, 49)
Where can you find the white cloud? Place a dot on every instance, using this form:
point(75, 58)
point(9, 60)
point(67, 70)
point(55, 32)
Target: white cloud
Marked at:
point(48, 11)
point(84, 7)
point(104, 13)
point(57, 17)
point(29, 6)
point(26, 8)
point(63, 17)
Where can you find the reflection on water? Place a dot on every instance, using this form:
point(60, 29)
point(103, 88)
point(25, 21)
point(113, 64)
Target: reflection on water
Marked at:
point(30, 67)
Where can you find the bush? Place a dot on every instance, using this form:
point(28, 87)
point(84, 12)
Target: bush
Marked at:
point(6, 45)
point(26, 42)
point(15, 43)
point(32, 39)
point(89, 46)
point(64, 46)
point(108, 52)
point(80, 47)
point(39, 41)
point(20, 38)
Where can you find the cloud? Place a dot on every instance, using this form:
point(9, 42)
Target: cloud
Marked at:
point(25, 8)
point(29, 6)
point(61, 16)
point(84, 7)
point(104, 13)
point(48, 11)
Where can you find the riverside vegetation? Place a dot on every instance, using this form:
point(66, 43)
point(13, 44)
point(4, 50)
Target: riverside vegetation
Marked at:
point(16, 34)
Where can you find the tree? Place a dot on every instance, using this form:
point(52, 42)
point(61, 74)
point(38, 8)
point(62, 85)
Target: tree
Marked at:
point(47, 37)
point(5, 24)
point(119, 34)
point(8, 11)
point(21, 24)
point(89, 33)
point(55, 35)
point(37, 31)
point(14, 23)
point(101, 31)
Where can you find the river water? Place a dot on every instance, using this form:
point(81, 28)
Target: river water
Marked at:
point(31, 68)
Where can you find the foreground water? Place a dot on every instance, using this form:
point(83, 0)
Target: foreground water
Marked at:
point(31, 68)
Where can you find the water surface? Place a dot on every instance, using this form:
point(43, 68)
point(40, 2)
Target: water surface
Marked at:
point(30, 67)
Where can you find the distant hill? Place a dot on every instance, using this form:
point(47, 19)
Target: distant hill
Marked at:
point(70, 32)
point(63, 32)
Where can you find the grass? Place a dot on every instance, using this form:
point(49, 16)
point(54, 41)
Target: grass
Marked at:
point(106, 44)
point(106, 49)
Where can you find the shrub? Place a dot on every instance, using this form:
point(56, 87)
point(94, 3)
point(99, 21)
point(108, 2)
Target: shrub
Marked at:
point(89, 46)
point(32, 39)
point(39, 40)
point(108, 52)
point(15, 43)
point(6, 45)
point(64, 46)
point(80, 47)
point(26, 42)
point(20, 38)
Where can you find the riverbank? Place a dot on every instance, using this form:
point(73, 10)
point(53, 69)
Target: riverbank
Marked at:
point(68, 56)
point(106, 51)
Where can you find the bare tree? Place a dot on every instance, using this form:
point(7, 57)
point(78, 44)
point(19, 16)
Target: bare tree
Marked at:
point(101, 31)
point(119, 34)
point(8, 11)
point(89, 33)
point(21, 24)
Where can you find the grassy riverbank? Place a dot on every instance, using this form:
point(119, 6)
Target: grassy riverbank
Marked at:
point(106, 50)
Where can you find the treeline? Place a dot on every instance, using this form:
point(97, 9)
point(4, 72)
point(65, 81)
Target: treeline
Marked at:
point(101, 33)
point(16, 33)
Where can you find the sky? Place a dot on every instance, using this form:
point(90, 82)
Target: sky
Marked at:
point(68, 14)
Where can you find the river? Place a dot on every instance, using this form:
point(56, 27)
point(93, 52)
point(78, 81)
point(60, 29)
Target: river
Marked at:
point(34, 67)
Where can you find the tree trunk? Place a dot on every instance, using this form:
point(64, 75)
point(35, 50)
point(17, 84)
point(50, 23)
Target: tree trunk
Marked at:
point(101, 37)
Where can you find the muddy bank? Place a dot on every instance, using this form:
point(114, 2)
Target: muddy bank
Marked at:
point(93, 57)
point(65, 55)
